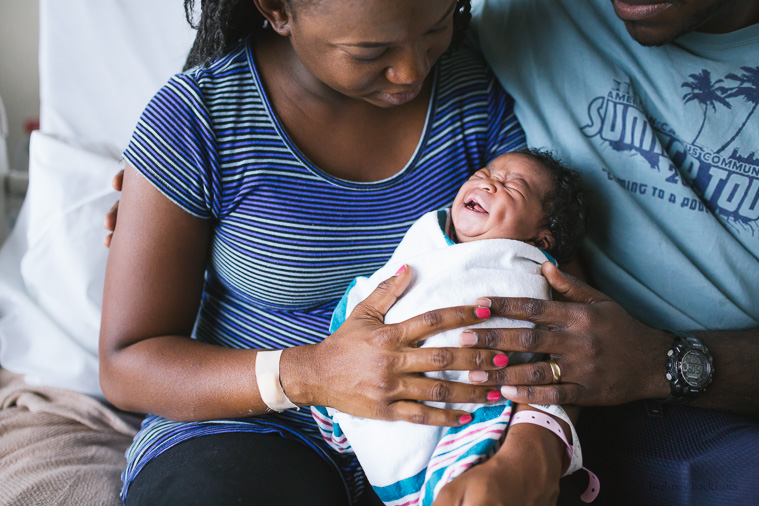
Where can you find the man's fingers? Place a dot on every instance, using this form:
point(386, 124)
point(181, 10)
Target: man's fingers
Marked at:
point(110, 222)
point(571, 288)
point(384, 296)
point(532, 340)
point(110, 217)
point(538, 311)
point(436, 321)
point(535, 373)
point(546, 313)
point(414, 412)
point(118, 180)
point(562, 393)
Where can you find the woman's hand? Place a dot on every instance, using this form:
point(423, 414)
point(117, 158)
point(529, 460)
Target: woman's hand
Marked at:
point(606, 357)
point(112, 214)
point(524, 472)
point(373, 370)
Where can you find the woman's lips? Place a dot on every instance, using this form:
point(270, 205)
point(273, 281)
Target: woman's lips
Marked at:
point(637, 12)
point(404, 96)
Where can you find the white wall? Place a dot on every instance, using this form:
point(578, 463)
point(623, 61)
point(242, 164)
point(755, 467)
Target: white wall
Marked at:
point(19, 71)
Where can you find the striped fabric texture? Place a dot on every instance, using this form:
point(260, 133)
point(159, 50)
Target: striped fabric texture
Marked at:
point(458, 450)
point(289, 238)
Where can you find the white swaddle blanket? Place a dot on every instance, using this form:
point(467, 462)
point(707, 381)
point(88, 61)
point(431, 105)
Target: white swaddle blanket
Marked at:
point(407, 464)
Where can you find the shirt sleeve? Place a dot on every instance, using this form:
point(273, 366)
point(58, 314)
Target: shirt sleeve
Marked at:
point(174, 147)
point(505, 134)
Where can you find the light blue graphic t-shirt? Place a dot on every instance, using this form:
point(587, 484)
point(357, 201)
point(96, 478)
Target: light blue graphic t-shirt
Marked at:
point(667, 140)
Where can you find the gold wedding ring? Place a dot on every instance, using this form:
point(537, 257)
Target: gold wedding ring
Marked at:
point(556, 370)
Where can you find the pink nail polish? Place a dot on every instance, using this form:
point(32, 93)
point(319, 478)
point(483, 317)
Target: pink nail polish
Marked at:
point(478, 376)
point(468, 339)
point(494, 395)
point(401, 270)
point(484, 302)
point(465, 419)
point(501, 360)
point(482, 312)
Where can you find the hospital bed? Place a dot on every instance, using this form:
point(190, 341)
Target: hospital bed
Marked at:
point(100, 62)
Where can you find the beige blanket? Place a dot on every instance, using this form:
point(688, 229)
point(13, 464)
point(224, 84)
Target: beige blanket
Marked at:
point(59, 447)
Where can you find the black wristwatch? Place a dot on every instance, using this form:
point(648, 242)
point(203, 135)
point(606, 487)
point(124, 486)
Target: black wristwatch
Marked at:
point(689, 368)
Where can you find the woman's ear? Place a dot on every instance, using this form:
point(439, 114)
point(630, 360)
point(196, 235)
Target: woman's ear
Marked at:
point(277, 13)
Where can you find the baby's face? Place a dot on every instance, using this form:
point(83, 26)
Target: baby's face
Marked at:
point(504, 201)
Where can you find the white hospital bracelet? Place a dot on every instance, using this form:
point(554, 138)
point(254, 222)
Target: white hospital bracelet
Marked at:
point(538, 418)
point(557, 411)
point(267, 377)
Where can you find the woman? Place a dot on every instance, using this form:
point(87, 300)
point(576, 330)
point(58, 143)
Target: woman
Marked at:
point(257, 187)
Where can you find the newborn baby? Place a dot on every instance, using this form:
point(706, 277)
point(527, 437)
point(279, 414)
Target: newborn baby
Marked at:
point(522, 209)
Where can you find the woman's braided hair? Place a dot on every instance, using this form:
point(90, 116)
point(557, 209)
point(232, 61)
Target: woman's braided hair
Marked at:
point(223, 23)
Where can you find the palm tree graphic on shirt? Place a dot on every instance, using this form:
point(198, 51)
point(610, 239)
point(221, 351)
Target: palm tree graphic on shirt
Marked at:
point(748, 89)
point(707, 93)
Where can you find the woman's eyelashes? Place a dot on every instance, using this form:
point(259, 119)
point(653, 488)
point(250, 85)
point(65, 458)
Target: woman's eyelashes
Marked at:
point(371, 56)
point(440, 29)
point(368, 57)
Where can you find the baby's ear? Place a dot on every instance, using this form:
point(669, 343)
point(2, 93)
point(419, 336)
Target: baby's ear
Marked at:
point(545, 240)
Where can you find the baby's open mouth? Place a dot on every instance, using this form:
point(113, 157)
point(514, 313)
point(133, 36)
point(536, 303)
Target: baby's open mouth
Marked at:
point(473, 205)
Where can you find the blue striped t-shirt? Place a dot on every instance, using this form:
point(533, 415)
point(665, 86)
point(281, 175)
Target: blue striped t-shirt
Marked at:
point(289, 237)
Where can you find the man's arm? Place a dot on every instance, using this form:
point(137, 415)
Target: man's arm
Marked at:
point(606, 356)
point(735, 386)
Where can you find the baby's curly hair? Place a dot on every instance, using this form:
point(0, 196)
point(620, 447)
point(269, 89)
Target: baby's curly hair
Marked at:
point(223, 23)
point(564, 206)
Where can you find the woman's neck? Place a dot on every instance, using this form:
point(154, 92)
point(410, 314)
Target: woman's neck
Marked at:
point(346, 137)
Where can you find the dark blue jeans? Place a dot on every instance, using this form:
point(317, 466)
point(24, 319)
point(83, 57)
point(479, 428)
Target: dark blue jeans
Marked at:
point(690, 456)
point(240, 468)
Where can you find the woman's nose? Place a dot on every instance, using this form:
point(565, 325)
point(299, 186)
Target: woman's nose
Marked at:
point(411, 66)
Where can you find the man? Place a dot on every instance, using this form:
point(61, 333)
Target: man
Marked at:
point(655, 102)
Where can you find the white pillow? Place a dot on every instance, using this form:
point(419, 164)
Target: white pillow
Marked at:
point(50, 299)
point(102, 60)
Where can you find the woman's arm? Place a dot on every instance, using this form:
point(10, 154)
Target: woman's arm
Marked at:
point(154, 281)
point(148, 362)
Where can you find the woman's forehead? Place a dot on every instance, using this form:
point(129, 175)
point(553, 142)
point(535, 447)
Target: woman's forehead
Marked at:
point(371, 21)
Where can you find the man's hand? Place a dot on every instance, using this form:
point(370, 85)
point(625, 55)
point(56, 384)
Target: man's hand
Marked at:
point(112, 215)
point(605, 356)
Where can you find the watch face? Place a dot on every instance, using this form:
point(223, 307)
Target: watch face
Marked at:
point(695, 368)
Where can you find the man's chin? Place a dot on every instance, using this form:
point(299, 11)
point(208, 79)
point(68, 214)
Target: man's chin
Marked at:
point(649, 37)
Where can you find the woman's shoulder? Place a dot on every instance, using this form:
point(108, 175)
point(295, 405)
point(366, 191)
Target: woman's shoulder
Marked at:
point(463, 64)
point(463, 74)
point(223, 74)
